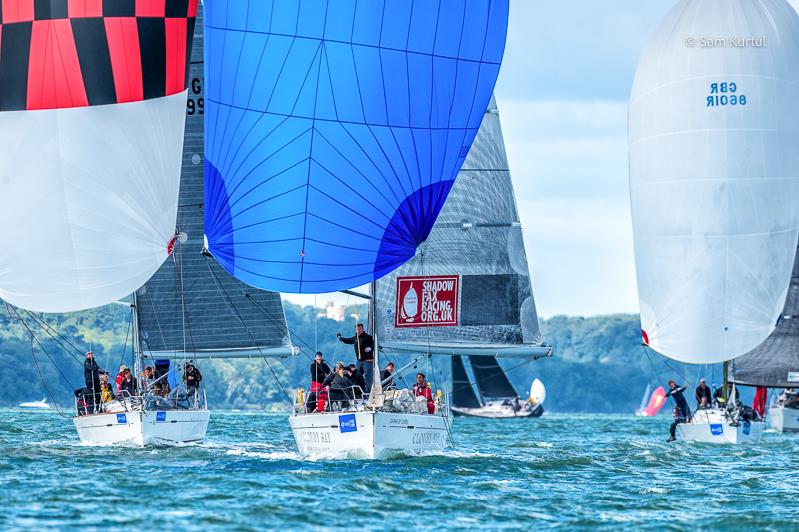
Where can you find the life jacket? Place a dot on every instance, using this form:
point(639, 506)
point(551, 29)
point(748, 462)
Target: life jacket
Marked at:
point(105, 393)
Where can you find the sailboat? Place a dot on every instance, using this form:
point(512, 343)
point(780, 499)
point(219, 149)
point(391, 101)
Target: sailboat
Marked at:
point(476, 245)
point(714, 190)
point(41, 405)
point(92, 126)
point(332, 143)
point(775, 362)
point(495, 397)
point(191, 309)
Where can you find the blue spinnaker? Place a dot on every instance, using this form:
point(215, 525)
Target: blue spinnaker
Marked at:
point(335, 130)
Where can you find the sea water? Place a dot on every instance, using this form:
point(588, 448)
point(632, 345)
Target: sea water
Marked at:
point(559, 471)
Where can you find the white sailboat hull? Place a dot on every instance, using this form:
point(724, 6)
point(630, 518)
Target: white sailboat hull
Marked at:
point(143, 427)
point(711, 426)
point(784, 419)
point(369, 434)
point(493, 410)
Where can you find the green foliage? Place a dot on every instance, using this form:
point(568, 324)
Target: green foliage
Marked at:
point(598, 363)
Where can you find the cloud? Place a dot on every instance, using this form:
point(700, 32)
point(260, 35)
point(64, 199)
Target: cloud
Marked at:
point(568, 160)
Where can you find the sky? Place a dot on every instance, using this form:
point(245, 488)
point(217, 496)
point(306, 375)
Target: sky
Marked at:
point(562, 94)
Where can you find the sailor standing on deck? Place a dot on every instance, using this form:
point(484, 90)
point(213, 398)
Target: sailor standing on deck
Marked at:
point(704, 397)
point(319, 370)
point(364, 346)
point(681, 411)
point(91, 376)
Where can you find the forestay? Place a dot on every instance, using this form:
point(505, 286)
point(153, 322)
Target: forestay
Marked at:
point(335, 130)
point(468, 291)
point(714, 176)
point(92, 96)
point(222, 316)
point(775, 362)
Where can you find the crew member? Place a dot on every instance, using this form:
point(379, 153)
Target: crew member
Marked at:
point(192, 377)
point(106, 390)
point(319, 370)
point(386, 377)
point(422, 389)
point(358, 382)
point(127, 386)
point(703, 395)
point(364, 346)
point(681, 411)
point(91, 376)
point(340, 388)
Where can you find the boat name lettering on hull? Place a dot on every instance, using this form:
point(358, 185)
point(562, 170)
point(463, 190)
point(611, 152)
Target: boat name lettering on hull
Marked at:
point(316, 437)
point(426, 438)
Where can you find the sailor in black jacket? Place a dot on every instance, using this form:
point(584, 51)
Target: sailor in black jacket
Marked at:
point(681, 411)
point(703, 392)
point(319, 370)
point(364, 346)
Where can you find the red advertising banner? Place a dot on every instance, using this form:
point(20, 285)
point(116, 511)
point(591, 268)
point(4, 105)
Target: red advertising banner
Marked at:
point(426, 301)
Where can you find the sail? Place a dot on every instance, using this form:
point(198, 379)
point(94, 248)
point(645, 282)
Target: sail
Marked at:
point(775, 362)
point(222, 315)
point(656, 402)
point(469, 287)
point(463, 395)
point(491, 378)
point(336, 129)
point(92, 96)
point(714, 182)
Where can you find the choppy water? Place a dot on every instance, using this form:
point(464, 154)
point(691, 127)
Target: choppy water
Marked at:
point(564, 471)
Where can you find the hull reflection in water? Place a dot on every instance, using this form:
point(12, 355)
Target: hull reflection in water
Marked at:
point(369, 434)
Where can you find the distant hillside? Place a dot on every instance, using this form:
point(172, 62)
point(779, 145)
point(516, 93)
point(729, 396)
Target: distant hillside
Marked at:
point(598, 364)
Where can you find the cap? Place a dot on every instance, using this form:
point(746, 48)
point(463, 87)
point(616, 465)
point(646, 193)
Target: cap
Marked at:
point(701, 380)
point(122, 368)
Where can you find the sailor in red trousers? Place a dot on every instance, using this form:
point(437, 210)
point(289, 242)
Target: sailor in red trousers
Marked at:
point(422, 389)
point(319, 370)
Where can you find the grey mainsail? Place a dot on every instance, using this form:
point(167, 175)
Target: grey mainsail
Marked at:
point(477, 240)
point(775, 362)
point(192, 305)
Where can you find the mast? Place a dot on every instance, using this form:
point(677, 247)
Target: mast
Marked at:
point(724, 384)
point(376, 392)
point(137, 355)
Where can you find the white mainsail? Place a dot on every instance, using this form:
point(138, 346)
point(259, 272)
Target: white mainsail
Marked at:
point(714, 176)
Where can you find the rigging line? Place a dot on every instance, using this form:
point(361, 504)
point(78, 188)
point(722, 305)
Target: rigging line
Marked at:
point(184, 311)
point(127, 335)
point(279, 324)
point(36, 363)
point(53, 333)
point(494, 374)
point(44, 385)
point(249, 333)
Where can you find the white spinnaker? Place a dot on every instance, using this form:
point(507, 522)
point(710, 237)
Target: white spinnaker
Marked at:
point(88, 200)
point(715, 189)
